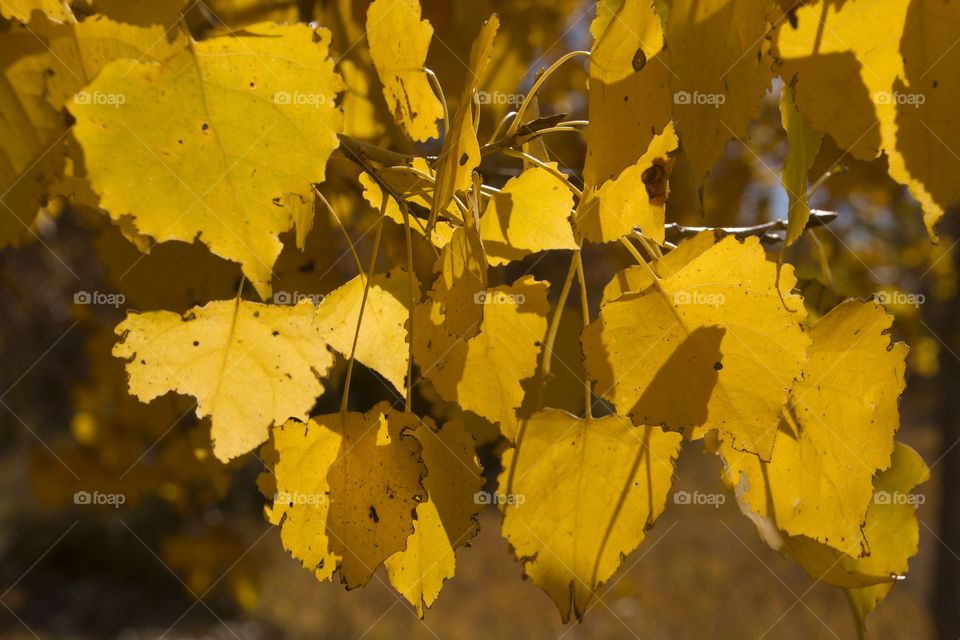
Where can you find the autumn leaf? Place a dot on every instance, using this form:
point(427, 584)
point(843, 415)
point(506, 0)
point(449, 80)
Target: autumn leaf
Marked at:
point(249, 365)
point(709, 68)
point(629, 98)
point(716, 345)
point(877, 76)
point(721, 67)
point(483, 373)
point(530, 214)
point(634, 199)
point(57, 10)
point(578, 495)
point(460, 153)
point(241, 131)
point(446, 520)
point(803, 143)
point(45, 64)
point(347, 486)
point(398, 42)
point(382, 343)
point(836, 432)
point(461, 280)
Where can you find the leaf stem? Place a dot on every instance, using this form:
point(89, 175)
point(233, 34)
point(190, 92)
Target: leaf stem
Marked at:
point(363, 304)
point(585, 307)
point(435, 83)
point(342, 228)
point(512, 129)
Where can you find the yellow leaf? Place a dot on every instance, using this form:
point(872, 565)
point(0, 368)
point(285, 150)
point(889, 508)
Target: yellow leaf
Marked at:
point(460, 153)
point(716, 345)
point(382, 344)
point(249, 365)
point(462, 281)
point(241, 131)
point(841, 56)
point(29, 129)
point(79, 51)
point(635, 198)
point(927, 98)
point(359, 113)
point(398, 45)
point(446, 520)
point(803, 143)
point(892, 528)
point(20, 10)
point(837, 431)
point(720, 63)
point(710, 71)
point(629, 97)
point(877, 76)
point(483, 374)
point(530, 214)
point(347, 486)
point(578, 495)
point(43, 66)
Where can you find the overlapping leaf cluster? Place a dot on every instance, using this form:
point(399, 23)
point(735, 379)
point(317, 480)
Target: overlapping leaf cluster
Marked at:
point(224, 140)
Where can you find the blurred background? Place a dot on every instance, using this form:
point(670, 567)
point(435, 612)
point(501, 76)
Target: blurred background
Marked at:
point(188, 554)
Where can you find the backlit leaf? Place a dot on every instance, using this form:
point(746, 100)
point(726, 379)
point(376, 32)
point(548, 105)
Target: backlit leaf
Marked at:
point(530, 214)
point(579, 495)
point(836, 433)
point(716, 345)
point(242, 130)
point(446, 520)
point(347, 486)
point(803, 144)
point(398, 45)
